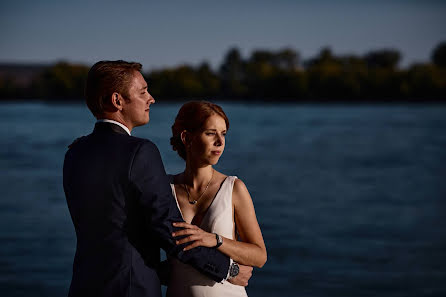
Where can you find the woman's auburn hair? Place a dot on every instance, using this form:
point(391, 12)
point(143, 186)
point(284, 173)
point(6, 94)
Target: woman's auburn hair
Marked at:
point(191, 117)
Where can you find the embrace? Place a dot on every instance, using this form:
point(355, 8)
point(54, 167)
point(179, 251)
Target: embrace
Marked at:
point(124, 206)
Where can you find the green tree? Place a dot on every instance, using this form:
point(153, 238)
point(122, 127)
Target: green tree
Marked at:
point(260, 73)
point(209, 80)
point(184, 82)
point(287, 59)
point(8, 89)
point(275, 75)
point(384, 80)
point(387, 58)
point(232, 74)
point(324, 76)
point(63, 80)
point(426, 82)
point(439, 55)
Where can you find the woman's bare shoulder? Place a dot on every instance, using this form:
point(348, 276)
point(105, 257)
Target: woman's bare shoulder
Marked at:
point(240, 192)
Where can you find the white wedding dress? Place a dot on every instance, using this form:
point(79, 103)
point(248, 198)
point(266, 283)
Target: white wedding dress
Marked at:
point(185, 281)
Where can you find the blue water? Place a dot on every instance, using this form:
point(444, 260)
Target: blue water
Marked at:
point(351, 199)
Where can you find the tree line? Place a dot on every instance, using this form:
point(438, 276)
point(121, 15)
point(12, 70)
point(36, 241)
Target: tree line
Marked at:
point(265, 75)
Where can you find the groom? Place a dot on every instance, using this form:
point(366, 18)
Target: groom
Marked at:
point(119, 196)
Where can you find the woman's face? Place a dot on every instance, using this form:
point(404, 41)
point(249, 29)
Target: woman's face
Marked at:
point(208, 144)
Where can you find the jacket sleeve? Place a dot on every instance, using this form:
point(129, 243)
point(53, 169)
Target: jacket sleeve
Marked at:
point(148, 176)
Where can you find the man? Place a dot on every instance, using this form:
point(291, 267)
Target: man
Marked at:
point(119, 196)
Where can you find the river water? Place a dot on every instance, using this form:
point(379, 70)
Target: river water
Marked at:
point(351, 199)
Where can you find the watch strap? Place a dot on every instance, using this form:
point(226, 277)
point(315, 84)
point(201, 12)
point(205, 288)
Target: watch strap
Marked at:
point(219, 240)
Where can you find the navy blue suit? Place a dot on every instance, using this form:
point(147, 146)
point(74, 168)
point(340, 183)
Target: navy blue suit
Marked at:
point(122, 209)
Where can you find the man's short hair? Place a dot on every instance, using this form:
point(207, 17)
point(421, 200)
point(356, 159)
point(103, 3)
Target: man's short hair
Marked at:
point(105, 78)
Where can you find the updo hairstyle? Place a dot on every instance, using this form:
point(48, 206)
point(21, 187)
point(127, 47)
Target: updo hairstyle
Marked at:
point(191, 117)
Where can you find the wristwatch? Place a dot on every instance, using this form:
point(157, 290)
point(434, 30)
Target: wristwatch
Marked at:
point(234, 269)
point(219, 240)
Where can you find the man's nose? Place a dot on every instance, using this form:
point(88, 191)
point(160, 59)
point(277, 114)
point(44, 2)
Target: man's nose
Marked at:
point(151, 99)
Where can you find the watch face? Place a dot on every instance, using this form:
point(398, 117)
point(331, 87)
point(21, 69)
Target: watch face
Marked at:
point(234, 269)
point(237, 269)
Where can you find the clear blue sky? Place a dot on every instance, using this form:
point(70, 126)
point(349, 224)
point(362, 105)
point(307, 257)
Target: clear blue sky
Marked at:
point(169, 33)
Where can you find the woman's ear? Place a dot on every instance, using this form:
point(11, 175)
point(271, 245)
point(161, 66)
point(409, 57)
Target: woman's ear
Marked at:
point(185, 138)
point(117, 100)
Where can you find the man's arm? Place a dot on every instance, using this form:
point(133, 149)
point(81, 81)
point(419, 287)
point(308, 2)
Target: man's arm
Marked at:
point(148, 175)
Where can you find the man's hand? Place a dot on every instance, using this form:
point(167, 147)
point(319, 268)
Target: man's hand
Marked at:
point(245, 273)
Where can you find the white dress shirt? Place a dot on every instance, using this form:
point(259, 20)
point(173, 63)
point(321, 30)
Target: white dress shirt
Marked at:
point(114, 122)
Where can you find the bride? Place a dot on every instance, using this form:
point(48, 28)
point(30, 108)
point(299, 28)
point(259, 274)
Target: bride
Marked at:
point(217, 209)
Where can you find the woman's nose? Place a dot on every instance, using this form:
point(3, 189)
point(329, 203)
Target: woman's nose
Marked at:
point(220, 140)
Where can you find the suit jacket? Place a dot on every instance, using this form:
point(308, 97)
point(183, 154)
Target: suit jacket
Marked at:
point(122, 209)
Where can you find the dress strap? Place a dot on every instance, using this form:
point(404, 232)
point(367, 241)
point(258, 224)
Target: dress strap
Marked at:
point(224, 194)
point(174, 194)
point(231, 183)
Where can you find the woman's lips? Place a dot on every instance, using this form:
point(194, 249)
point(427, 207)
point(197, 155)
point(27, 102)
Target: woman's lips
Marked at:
point(216, 152)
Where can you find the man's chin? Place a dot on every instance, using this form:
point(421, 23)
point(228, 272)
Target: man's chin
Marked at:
point(145, 121)
point(141, 123)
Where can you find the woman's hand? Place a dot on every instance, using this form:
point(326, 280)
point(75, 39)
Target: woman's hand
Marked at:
point(194, 234)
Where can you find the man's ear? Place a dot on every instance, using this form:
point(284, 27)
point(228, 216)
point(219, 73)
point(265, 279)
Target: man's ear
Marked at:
point(117, 100)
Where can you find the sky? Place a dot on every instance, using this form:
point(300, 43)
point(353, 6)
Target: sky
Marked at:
point(169, 33)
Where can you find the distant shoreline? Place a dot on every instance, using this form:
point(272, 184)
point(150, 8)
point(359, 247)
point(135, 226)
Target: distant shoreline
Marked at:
point(278, 76)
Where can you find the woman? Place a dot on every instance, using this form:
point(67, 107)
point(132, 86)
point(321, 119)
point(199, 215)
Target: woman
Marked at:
point(217, 208)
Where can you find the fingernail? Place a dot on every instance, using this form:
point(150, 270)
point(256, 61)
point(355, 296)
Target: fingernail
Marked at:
point(173, 233)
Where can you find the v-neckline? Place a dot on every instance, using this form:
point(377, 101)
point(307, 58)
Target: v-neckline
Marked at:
point(207, 210)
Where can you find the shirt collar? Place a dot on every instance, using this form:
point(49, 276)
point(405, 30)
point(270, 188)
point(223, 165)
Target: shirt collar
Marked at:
point(114, 122)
